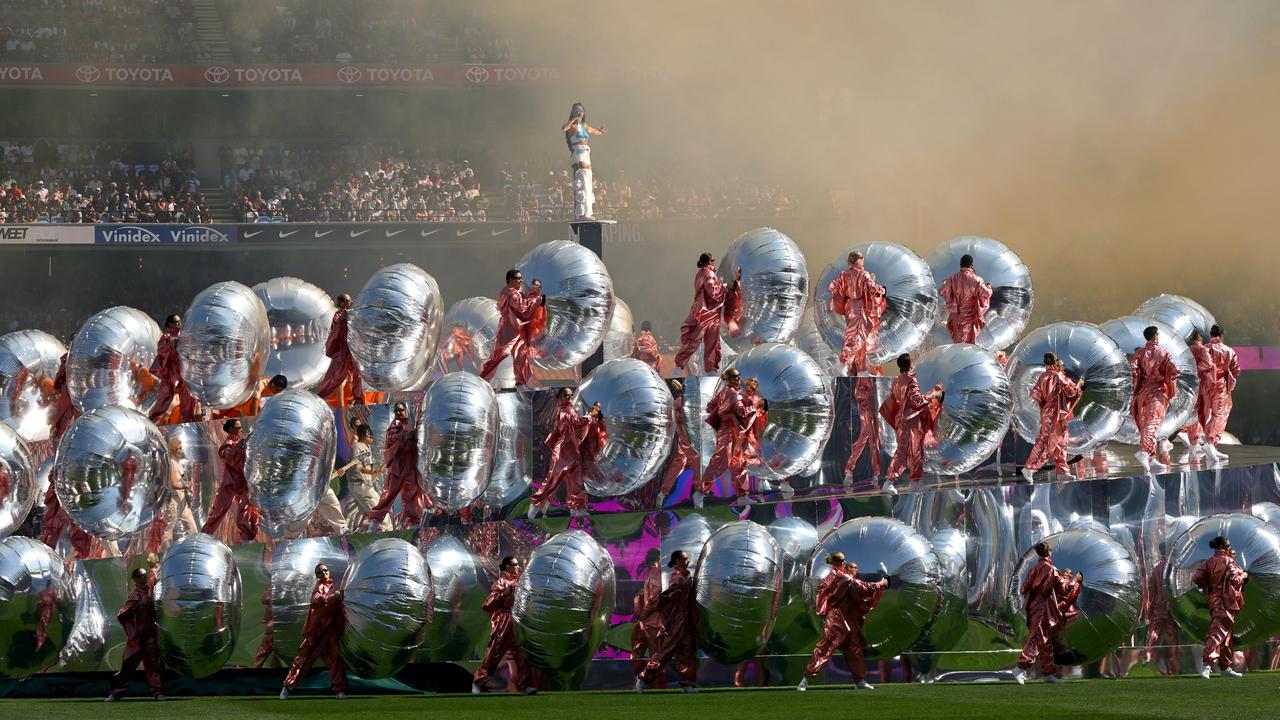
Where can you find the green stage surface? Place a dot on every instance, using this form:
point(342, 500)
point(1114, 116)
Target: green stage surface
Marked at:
point(1256, 696)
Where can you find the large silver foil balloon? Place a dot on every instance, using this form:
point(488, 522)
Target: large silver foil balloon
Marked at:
point(289, 458)
point(1127, 332)
point(951, 621)
point(106, 357)
point(639, 416)
point(110, 472)
point(1089, 354)
point(466, 340)
point(809, 339)
point(1257, 546)
point(910, 293)
point(1180, 313)
point(975, 410)
point(456, 437)
point(198, 605)
point(690, 535)
point(564, 601)
point(1109, 603)
point(883, 547)
point(620, 339)
point(18, 491)
point(698, 391)
point(394, 327)
point(458, 625)
point(225, 344)
point(87, 644)
point(799, 408)
point(579, 302)
point(28, 357)
point(1012, 296)
point(201, 468)
point(511, 476)
point(1268, 512)
point(774, 287)
point(792, 632)
point(299, 315)
point(293, 578)
point(387, 599)
point(37, 606)
point(737, 588)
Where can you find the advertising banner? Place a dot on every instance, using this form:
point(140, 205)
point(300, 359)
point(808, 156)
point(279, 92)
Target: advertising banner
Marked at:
point(46, 234)
point(164, 234)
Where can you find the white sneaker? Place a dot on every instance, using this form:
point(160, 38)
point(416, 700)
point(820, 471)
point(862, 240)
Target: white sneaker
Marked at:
point(1214, 453)
point(1228, 672)
point(1164, 446)
point(804, 684)
point(1053, 679)
point(887, 488)
point(641, 686)
point(1196, 453)
point(662, 497)
point(531, 690)
point(476, 689)
point(341, 696)
point(1029, 475)
point(848, 481)
point(697, 500)
point(787, 491)
point(689, 690)
point(1065, 474)
point(533, 511)
point(1206, 672)
point(162, 696)
point(1020, 676)
point(284, 694)
point(112, 698)
point(864, 685)
point(1156, 466)
point(1143, 459)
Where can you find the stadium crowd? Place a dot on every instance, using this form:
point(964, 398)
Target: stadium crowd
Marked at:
point(105, 31)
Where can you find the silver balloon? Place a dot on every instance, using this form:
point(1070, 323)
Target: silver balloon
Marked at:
point(22, 403)
point(992, 555)
point(511, 477)
point(1127, 332)
point(37, 607)
point(1109, 603)
point(105, 359)
point(882, 547)
point(620, 339)
point(1180, 313)
point(564, 602)
point(690, 535)
point(387, 599)
point(18, 491)
point(1257, 547)
point(110, 472)
point(639, 416)
point(1012, 295)
point(87, 644)
point(467, 337)
point(293, 578)
point(579, 302)
point(909, 291)
point(225, 344)
point(394, 327)
point(951, 621)
point(774, 287)
point(201, 468)
point(1089, 354)
point(792, 632)
point(809, 340)
point(198, 605)
point(737, 588)
point(289, 457)
point(299, 315)
point(1268, 512)
point(976, 409)
point(456, 438)
point(799, 408)
point(458, 625)
point(698, 391)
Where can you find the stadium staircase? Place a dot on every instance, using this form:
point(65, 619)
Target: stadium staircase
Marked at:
point(219, 202)
point(212, 31)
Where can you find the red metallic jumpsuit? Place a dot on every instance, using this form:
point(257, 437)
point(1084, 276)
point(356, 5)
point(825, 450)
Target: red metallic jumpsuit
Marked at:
point(233, 490)
point(342, 366)
point(675, 638)
point(968, 297)
point(844, 602)
point(502, 634)
point(321, 637)
point(518, 312)
point(401, 460)
point(138, 617)
point(1222, 580)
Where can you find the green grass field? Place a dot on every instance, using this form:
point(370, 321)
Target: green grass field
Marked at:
point(1256, 696)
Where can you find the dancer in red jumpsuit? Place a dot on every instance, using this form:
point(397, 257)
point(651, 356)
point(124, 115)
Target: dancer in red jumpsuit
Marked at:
point(321, 636)
point(1155, 378)
point(683, 454)
point(752, 399)
point(856, 296)
point(502, 633)
point(342, 366)
point(1162, 630)
point(912, 415)
point(138, 617)
point(1048, 595)
point(400, 457)
point(868, 440)
point(644, 636)
point(65, 412)
point(1057, 395)
point(521, 314)
point(167, 368)
point(968, 297)
point(647, 348)
point(234, 488)
point(732, 418)
point(1223, 581)
point(675, 637)
point(1228, 369)
point(575, 440)
point(1206, 373)
point(711, 300)
point(844, 602)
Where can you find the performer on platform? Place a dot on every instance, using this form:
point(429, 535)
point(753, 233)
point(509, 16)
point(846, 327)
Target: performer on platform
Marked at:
point(1048, 595)
point(1223, 581)
point(675, 637)
point(712, 299)
point(752, 399)
point(843, 603)
point(1056, 395)
point(520, 313)
point(400, 458)
point(683, 454)
point(167, 368)
point(321, 636)
point(864, 393)
point(968, 297)
point(856, 296)
point(644, 636)
point(138, 618)
point(174, 503)
point(1206, 373)
point(732, 418)
point(234, 488)
point(1228, 369)
point(502, 633)
point(646, 350)
point(362, 481)
point(342, 366)
point(1155, 378)
point(577, 134)
point(574, 441)
point(913, 416)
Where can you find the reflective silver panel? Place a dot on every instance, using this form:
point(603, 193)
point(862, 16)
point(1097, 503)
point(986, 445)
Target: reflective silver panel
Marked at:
point(620, 339)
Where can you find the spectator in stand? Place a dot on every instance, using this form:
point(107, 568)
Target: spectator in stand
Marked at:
point(98, 31)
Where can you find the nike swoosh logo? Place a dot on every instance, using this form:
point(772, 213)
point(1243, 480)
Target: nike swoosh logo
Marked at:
point(322, 234)
point(251, 234)
point(358, 233)
point(393, 233)
point(427, 233)
point(496, 233)
point(463, 233)
point(287, 234)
